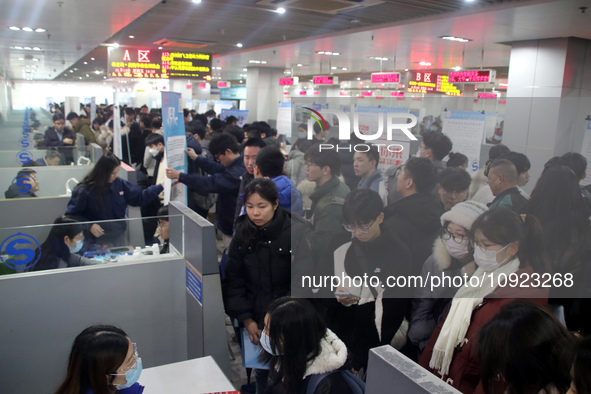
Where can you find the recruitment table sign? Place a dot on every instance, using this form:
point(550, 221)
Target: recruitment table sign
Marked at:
point(466, 131)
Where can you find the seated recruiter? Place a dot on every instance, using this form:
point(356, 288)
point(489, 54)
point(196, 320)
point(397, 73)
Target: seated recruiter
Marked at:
point(102, 195)
point(60, 249)
point(103, 360)
point(52, 158)
point(24, 185)
point(163, 228)
point(60, 137)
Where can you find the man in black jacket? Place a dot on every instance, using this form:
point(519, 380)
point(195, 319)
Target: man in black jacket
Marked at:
point(414, 218)
point(252, 146)
point(60, 137)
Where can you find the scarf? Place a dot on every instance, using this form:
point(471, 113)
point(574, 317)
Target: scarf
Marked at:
point(453, 332)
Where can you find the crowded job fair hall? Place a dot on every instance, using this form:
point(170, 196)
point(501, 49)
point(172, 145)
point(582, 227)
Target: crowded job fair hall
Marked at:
point(295, 197)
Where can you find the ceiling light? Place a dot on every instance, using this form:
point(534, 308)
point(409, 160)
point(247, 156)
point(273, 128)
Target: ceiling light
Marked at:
point(105, 77)
point(424, 64)
point(87, 75)
point(406, 69)
point(116, 45)
point(91, 58)
point(79, 77)
point(197, 1)
point(21, 58)
point(333, 68)
point(18, 47)
point(299, 64)
point(27, 48)
point(71, 71)
point(131, 36)
point(245, 69)
point(458, 39)
point(320, 52)
point(335, 54)
point(344, 68)
point(75, 69)
point(27, 29)
point(457, 68)
point(264, 62)
point(97, 72)
point(239, 45)
point(280, 10)
point(40, 30)
point(36, 48)
point(359, 79)
point(328, 53)
point(240, 81)
point(85, 62)
point(15, 28)
point(159, 47)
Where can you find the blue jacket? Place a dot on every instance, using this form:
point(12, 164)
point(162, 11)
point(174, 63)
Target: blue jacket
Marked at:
point(53, 139)
point(223, 180)
point(84, 204)
point(289, 196)
point(372, 182)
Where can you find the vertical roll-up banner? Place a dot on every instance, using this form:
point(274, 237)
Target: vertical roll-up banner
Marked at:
point(117, 127)
point(176, 144)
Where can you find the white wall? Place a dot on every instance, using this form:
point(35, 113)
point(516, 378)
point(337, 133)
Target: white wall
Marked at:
point(34, 94)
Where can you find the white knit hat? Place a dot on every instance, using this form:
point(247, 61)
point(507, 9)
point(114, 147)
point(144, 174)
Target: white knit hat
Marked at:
point(464, 213)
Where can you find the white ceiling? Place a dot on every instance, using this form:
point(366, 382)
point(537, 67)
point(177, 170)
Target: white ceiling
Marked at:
point(74, 28)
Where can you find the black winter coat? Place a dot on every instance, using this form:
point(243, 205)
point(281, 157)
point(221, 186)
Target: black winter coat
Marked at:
point(258, 269)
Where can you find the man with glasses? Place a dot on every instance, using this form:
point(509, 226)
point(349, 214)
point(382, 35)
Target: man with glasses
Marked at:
point(366, 315)
point(224, 179)
point(24, 185)
point(452, 256)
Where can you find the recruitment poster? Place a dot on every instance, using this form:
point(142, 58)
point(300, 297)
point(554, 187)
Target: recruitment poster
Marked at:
point(176, 143)
point(586, 151)
point(284, 119)
point(466, 131)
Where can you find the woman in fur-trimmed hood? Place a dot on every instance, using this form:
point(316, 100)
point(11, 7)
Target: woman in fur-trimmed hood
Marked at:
point(451, 257)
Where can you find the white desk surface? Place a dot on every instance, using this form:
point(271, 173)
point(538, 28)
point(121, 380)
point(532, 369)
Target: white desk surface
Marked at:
point(197, 376)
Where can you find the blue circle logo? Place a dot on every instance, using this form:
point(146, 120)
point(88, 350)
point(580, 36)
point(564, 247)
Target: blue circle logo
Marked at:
point(475, 165)
point(24, 156)
point(25, 142)
point(24, 183)
point(19, 252)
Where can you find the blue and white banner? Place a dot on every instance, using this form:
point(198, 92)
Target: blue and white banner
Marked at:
point(466, 131)
point(176, 144)
point(241, 114)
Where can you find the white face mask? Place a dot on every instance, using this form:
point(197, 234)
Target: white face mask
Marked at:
point(457, 250)
point(153, 151)
point(487, 259)
point(266, 344)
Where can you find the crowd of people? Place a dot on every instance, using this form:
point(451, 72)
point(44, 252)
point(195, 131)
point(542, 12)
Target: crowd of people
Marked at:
point(291, 213)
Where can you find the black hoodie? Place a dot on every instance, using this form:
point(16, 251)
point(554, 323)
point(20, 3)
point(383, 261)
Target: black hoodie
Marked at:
point(415, 220)
point(13, 192)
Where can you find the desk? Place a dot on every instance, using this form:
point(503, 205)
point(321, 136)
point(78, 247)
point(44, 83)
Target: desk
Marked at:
point(197, 376)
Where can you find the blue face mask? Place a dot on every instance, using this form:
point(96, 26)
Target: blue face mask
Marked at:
point(132, 375)
point(266, 344)
point(77, 248)
point(301, 135)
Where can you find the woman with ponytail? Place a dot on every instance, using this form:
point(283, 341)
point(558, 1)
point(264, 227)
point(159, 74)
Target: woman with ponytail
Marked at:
point(508, 251)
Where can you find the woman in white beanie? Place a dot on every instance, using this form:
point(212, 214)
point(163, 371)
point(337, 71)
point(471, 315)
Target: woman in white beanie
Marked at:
point(452, 256)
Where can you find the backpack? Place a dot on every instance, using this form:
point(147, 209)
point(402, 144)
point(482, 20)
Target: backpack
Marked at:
point(204, 201)
point(326, 201)
point(356, 385)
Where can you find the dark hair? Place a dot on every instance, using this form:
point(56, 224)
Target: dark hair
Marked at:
point(373, 154)
point(497, 151)
point(231, 119)
point(209, 113)
point(262, 127)
point(97, 352)
point(302, 145)
point(503, 226)
point(582, 366)
point(129, 111)
point(216, 124)
point(456, 159)
point(362, 206)
point(222, 142)
point(528, 348)
point(186, 112)
point(199, 130)
point(156, 124)
point(236, 131)
point(146, 120)
point(54, 248)
point(154, 139)
point(559, 206)
point(99, 120)
point(439, 143)
point(265, 188)
point(52, 154)
point(72, 115)
point(303, 126)
point(163, 213)
point(26, 172)
point(253, 132)
point(97, 180)
point(423, 173)
point(454, 179)
point(295, 324)
point(270, 161)
point(318, 129)
point(520, 161)
point(574, 161)
point(257, 142)
point(326, 158)
point(57, 117)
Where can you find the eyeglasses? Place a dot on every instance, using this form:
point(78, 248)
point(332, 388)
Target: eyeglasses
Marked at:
point(135, 361)
point(310, 164)
point(361, 229)
point(458, 238)
point(484, 249)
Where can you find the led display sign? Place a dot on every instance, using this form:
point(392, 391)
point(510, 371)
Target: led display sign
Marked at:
point(285, 81)
point(472, 76)
point(325, 80)
point(487, 95)
point(155, 64)
point(385, 78)
point(431, 82)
